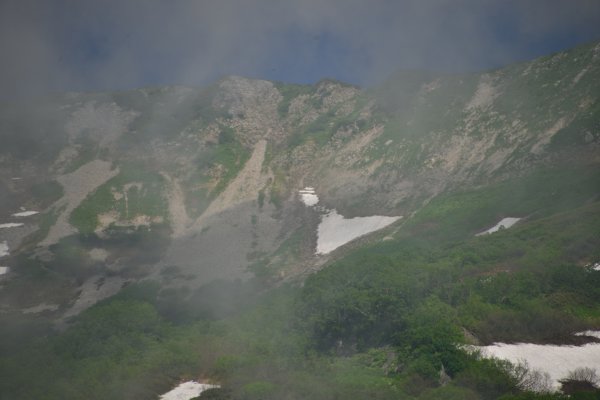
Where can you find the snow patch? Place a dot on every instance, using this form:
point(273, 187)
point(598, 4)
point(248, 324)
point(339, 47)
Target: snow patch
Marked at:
point(335, 230)
point(308, 196)
point(594, 334)
point(11, 225)
point(4, 270)
point(594, 266)
point(25, 213)
point(505, 223)
point(556, 360)
point(4, 249)
point(187, 390)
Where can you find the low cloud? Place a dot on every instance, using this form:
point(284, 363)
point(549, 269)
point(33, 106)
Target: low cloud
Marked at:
point(92, 45)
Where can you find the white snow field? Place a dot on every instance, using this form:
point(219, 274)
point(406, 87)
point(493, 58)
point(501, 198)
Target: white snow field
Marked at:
point(335, 230)
point(594, 334)
point(4, 249)
point(308, 196)
point(556, 360)
point(505, 223)
point(11, 225)
point(25, 213)
point(187, 390)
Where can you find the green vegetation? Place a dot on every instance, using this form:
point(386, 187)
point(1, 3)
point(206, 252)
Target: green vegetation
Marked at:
point(232, 156)
point(580, 131)
point(46, 221)
point(290, 251)
point(318, 131)
point(380, 322)
point(289, 92)
point(421, 111)
point(133, 192)
point(227, 158)
point(326, 125)
point(278, 188)
point(321, 130)
point(135, 247)
point(458, 215)
point(114, 351)
point(87, 150)
point(415, 119)
point(383, 320)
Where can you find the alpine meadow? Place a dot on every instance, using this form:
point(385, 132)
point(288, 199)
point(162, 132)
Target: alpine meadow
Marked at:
point(434, 236)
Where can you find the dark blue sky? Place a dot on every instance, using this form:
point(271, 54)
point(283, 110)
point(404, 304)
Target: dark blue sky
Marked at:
point(50, 45)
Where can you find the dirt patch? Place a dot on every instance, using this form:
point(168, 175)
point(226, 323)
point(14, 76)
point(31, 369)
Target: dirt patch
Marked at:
point(217, 244)
point(116, 194)
point(352, 152)
point(221, 249)
point(92, 291)
point(484, 95)
point(77, 186)
point(40, 308)
point(112, 218)
point(106, 219)
point(579, 75)
point(98, 254)
point(547, 135)
point(177, 212)
point(244, 187)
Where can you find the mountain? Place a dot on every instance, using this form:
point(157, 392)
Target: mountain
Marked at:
point(188, 187)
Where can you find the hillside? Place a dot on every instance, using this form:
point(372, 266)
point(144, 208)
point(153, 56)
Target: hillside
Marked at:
point(184, 209)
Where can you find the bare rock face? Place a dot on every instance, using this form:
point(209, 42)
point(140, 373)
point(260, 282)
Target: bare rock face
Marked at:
point(102, 122)
point(239, 94)
point(252, 104)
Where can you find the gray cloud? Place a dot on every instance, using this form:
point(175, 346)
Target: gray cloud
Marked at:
point(84, 44)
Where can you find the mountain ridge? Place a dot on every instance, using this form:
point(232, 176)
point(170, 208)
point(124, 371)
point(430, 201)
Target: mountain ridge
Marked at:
point(386, 151)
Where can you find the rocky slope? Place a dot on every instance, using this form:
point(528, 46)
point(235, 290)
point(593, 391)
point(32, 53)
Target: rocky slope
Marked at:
point(190, 185)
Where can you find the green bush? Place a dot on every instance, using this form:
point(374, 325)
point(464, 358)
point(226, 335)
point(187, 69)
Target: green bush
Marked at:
point(259, 390)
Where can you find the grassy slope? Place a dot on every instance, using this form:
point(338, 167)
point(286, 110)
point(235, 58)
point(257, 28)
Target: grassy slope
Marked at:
point(378, 323)
point(147, 200)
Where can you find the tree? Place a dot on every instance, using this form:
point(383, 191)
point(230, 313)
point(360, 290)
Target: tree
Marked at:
point(531, 380)
point(581, 380)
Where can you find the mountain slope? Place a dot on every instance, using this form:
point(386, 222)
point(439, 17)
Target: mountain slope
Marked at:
point(220, 167)
point(172, 242)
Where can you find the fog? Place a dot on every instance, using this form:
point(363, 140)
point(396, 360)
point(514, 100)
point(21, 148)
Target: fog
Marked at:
point(158, 234)
point(88, 45)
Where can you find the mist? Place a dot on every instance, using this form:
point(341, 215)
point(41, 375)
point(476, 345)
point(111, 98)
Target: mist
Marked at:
point(287, 199)
point(85, 45)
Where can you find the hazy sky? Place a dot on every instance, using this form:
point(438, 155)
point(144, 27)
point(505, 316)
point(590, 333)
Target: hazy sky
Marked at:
point(104, 44)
